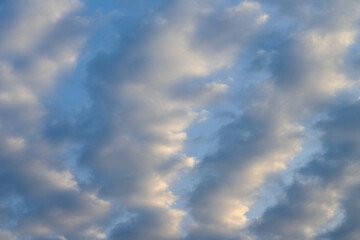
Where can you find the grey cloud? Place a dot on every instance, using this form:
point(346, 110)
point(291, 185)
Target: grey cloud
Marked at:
point(111, 171)
point(142, 107)
point(232, 175)
point(303, 75)
point(348, 229)
point(325, 185)
point(302, 210)
point(39, 194)
point(145, 225)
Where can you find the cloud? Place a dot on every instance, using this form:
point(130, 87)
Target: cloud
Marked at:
point(39, 194)
point(151, 73)
point(303, 74)
point(142, 107)
point(348, 228)
point(322, 188)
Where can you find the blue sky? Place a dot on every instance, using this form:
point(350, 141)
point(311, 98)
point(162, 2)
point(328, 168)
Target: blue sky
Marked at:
point(179, 120)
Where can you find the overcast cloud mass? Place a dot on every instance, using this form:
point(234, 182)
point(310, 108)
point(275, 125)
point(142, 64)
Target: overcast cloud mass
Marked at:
point(179, 120)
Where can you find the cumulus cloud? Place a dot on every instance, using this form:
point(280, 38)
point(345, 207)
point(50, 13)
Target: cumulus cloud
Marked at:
point(246, 79)
point(145, 97)
point(304, 73)
point(323, 188)
point(39, 196)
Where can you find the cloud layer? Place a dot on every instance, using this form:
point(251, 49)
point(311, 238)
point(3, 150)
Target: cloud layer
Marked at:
point(178, 120)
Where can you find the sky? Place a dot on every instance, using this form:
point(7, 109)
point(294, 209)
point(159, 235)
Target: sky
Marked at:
point(179, 120)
